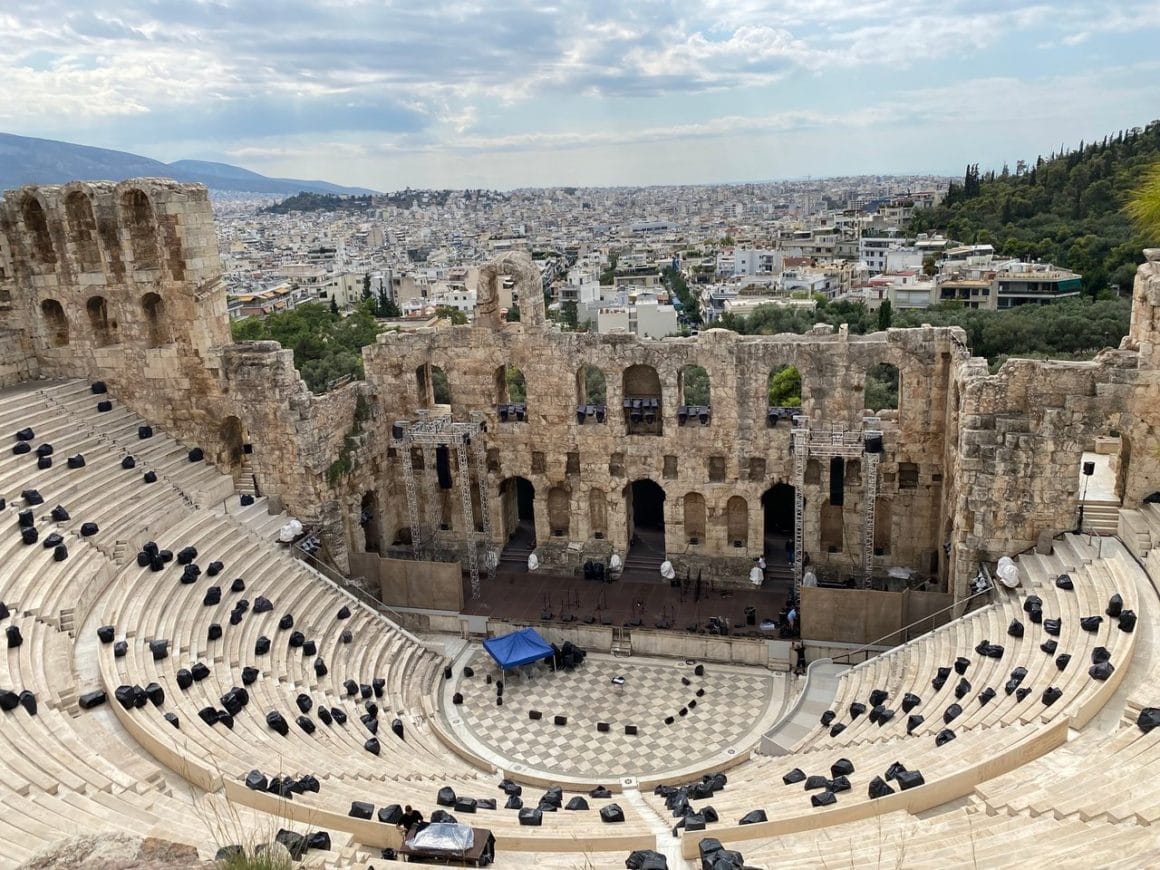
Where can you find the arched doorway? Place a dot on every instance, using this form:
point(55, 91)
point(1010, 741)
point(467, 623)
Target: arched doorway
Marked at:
point(55, 323)
point(369, 520)
point(103, 328)
point(230, 433)
point(518, 500)
point(156, 329)
point(644, 504)
point(777, 508)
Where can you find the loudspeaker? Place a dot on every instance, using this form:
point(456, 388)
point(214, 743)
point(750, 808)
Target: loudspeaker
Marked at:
point(535, 714)
point(602, 727)
point(443, 466)
point(561, 720)
point(1089, 468)
point(630, 730)
point(837, 481)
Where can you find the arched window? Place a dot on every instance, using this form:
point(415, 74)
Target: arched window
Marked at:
point(83, 232)
point(433, 386)
point(36, 224)
point(137, 217)
point(882, 387)
point(785, 387)
point(591, 394)
point(511, 394)
point(643, 400)
point(695, 517)
point(737, 521)
point(559, 511)
point(440, 386)
point(694, 386)
point(156, 329)
point(55, 323)
point(104, 330)
point(423, 385)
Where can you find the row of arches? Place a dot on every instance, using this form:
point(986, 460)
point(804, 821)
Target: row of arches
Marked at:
point(642, 391)
point(644, 501)
point(103, 329)
point(135, 213)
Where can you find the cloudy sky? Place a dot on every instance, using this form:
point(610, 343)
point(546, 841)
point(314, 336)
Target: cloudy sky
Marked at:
point(510, 93)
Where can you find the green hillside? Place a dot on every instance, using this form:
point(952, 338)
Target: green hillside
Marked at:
point(1067, 208)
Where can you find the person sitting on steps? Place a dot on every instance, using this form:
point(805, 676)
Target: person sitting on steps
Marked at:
point(410, 819)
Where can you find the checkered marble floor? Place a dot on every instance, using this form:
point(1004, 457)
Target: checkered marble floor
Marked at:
point(732, 702)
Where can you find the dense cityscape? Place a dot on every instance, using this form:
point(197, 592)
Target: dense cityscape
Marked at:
point(608, 256)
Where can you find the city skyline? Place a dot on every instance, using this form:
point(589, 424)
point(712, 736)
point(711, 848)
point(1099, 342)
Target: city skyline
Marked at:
point(464, 95)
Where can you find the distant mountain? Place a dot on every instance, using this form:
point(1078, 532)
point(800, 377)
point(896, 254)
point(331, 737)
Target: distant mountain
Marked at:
point(24, 160)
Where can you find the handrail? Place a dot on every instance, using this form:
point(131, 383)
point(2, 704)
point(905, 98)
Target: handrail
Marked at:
point(344, 583)
point(878, 642)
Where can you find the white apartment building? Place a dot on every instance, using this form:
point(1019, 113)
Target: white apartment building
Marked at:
point(647, 317)
point(754, 262)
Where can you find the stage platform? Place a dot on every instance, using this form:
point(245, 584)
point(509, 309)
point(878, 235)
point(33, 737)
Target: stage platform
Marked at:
point(522, 596)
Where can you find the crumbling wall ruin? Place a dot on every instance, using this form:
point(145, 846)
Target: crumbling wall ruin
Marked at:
point(122, 283)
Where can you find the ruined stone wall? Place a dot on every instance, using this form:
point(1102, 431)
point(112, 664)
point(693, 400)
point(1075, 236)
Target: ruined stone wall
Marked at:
point(1022, 433)
point(737, 455)
point(122, 283)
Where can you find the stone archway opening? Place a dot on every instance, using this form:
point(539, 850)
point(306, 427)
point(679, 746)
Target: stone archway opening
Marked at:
point(83, 229)
point(137, 217)
point(104, 330)
point(36, 223)
point(517, 498)
point(156, 328)
point(368, 518)
point(55, 323)
point(644, 503)
point(233, 447)
point(777, 509)
point(643, 400)
point(737, 522)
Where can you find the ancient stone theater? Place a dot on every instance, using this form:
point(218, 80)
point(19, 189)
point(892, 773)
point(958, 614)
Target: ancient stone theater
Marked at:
point(524, 581)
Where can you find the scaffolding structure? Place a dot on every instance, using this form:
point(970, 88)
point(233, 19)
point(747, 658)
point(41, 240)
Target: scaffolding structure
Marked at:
point(827, 442)
point(428, 433)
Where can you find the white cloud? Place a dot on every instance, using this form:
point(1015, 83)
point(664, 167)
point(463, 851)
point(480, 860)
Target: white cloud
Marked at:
point(282, 81)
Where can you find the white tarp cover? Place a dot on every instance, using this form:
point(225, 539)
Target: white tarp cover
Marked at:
point(1008, 572)
point(290, 531)
point(756, 576)
point(442, 837)
point(667, 570)
point(614, 563)
point(533, 561)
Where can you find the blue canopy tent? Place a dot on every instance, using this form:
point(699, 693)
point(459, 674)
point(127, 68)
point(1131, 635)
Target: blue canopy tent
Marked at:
point(518, 648)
